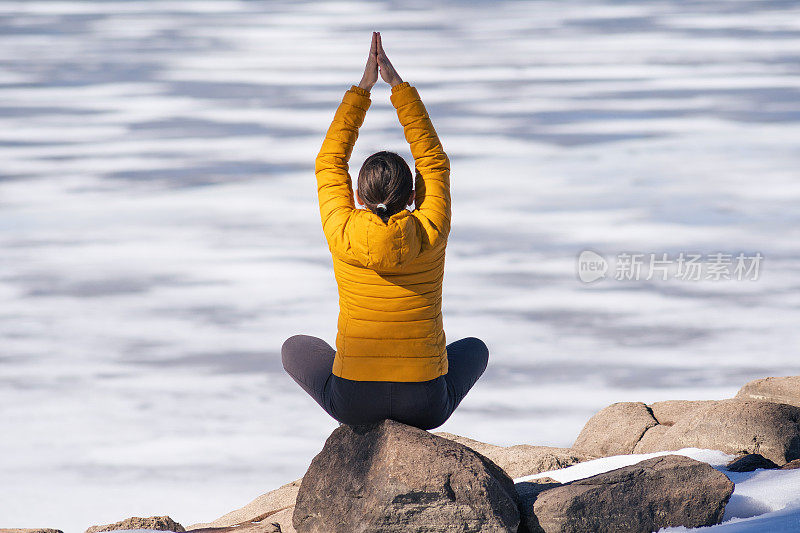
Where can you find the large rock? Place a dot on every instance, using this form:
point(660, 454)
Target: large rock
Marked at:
point(277, 506)
point(633, 427)
point(522, 459)
point(736, 427)
point(482, 448)
point(660, 492)
point(615, 430)
point(159, 523)
point(668, 412)
point(391, 477)
point(651, 438)
point(267, 506)
point(265, 526)
point(750, 462)
point(528, 492)
point(778, 390)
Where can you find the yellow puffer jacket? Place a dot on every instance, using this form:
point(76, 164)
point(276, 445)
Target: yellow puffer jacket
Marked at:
point(389, 274)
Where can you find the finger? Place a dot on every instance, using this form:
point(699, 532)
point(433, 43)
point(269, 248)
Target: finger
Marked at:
point(382, 57)
point(373, 51)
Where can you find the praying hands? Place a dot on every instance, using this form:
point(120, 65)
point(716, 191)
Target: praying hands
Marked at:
point(377, 60)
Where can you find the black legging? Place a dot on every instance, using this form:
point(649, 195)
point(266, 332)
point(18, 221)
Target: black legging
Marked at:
point(423, 404)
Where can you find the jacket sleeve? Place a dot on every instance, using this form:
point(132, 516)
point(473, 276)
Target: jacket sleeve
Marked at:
point(432, 164)
point(334, 186)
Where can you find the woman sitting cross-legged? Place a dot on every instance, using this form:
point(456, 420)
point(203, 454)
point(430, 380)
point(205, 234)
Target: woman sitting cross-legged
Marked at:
point(391, 359)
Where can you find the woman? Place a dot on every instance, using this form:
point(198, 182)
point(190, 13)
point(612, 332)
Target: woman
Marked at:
point(391, 360)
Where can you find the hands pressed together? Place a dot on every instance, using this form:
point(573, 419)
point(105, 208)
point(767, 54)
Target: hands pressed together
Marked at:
point(377, 59)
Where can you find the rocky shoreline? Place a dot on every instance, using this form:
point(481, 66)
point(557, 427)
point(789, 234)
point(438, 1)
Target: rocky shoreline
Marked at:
point(390, 477)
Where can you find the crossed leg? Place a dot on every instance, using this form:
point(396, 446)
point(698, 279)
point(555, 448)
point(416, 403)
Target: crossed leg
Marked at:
point(309, 361)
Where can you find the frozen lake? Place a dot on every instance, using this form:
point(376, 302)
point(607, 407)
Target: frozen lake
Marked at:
point(160, 237)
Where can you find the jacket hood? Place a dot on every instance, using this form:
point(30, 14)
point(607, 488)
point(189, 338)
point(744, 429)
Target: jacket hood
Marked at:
point(384, 246)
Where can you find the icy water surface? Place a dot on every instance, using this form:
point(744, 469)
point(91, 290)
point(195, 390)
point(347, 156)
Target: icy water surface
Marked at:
point(159, 233)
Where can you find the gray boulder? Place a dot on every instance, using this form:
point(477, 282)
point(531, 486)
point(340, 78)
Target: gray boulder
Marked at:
point(528, 492)
point(522, 459)
point(391, 477)
point(651, 438)
point(750, 462)
point(159, 523)
point(615, 430)
point(784, 389)
point(668, 412)
point(277, 506)
point(482, 448)
point(633, 427)
point(660, 492)
point(264, 526)
point(736, 427)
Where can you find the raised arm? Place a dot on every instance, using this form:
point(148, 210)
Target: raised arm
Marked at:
point(432, 164)
point(334, 185)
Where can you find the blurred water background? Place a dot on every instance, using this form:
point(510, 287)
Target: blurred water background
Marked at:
point(160, 238)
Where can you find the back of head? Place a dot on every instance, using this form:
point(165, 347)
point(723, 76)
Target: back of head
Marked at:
point(385, 184)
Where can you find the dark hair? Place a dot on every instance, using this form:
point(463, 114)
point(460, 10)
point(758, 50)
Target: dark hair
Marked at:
point(385, 178)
